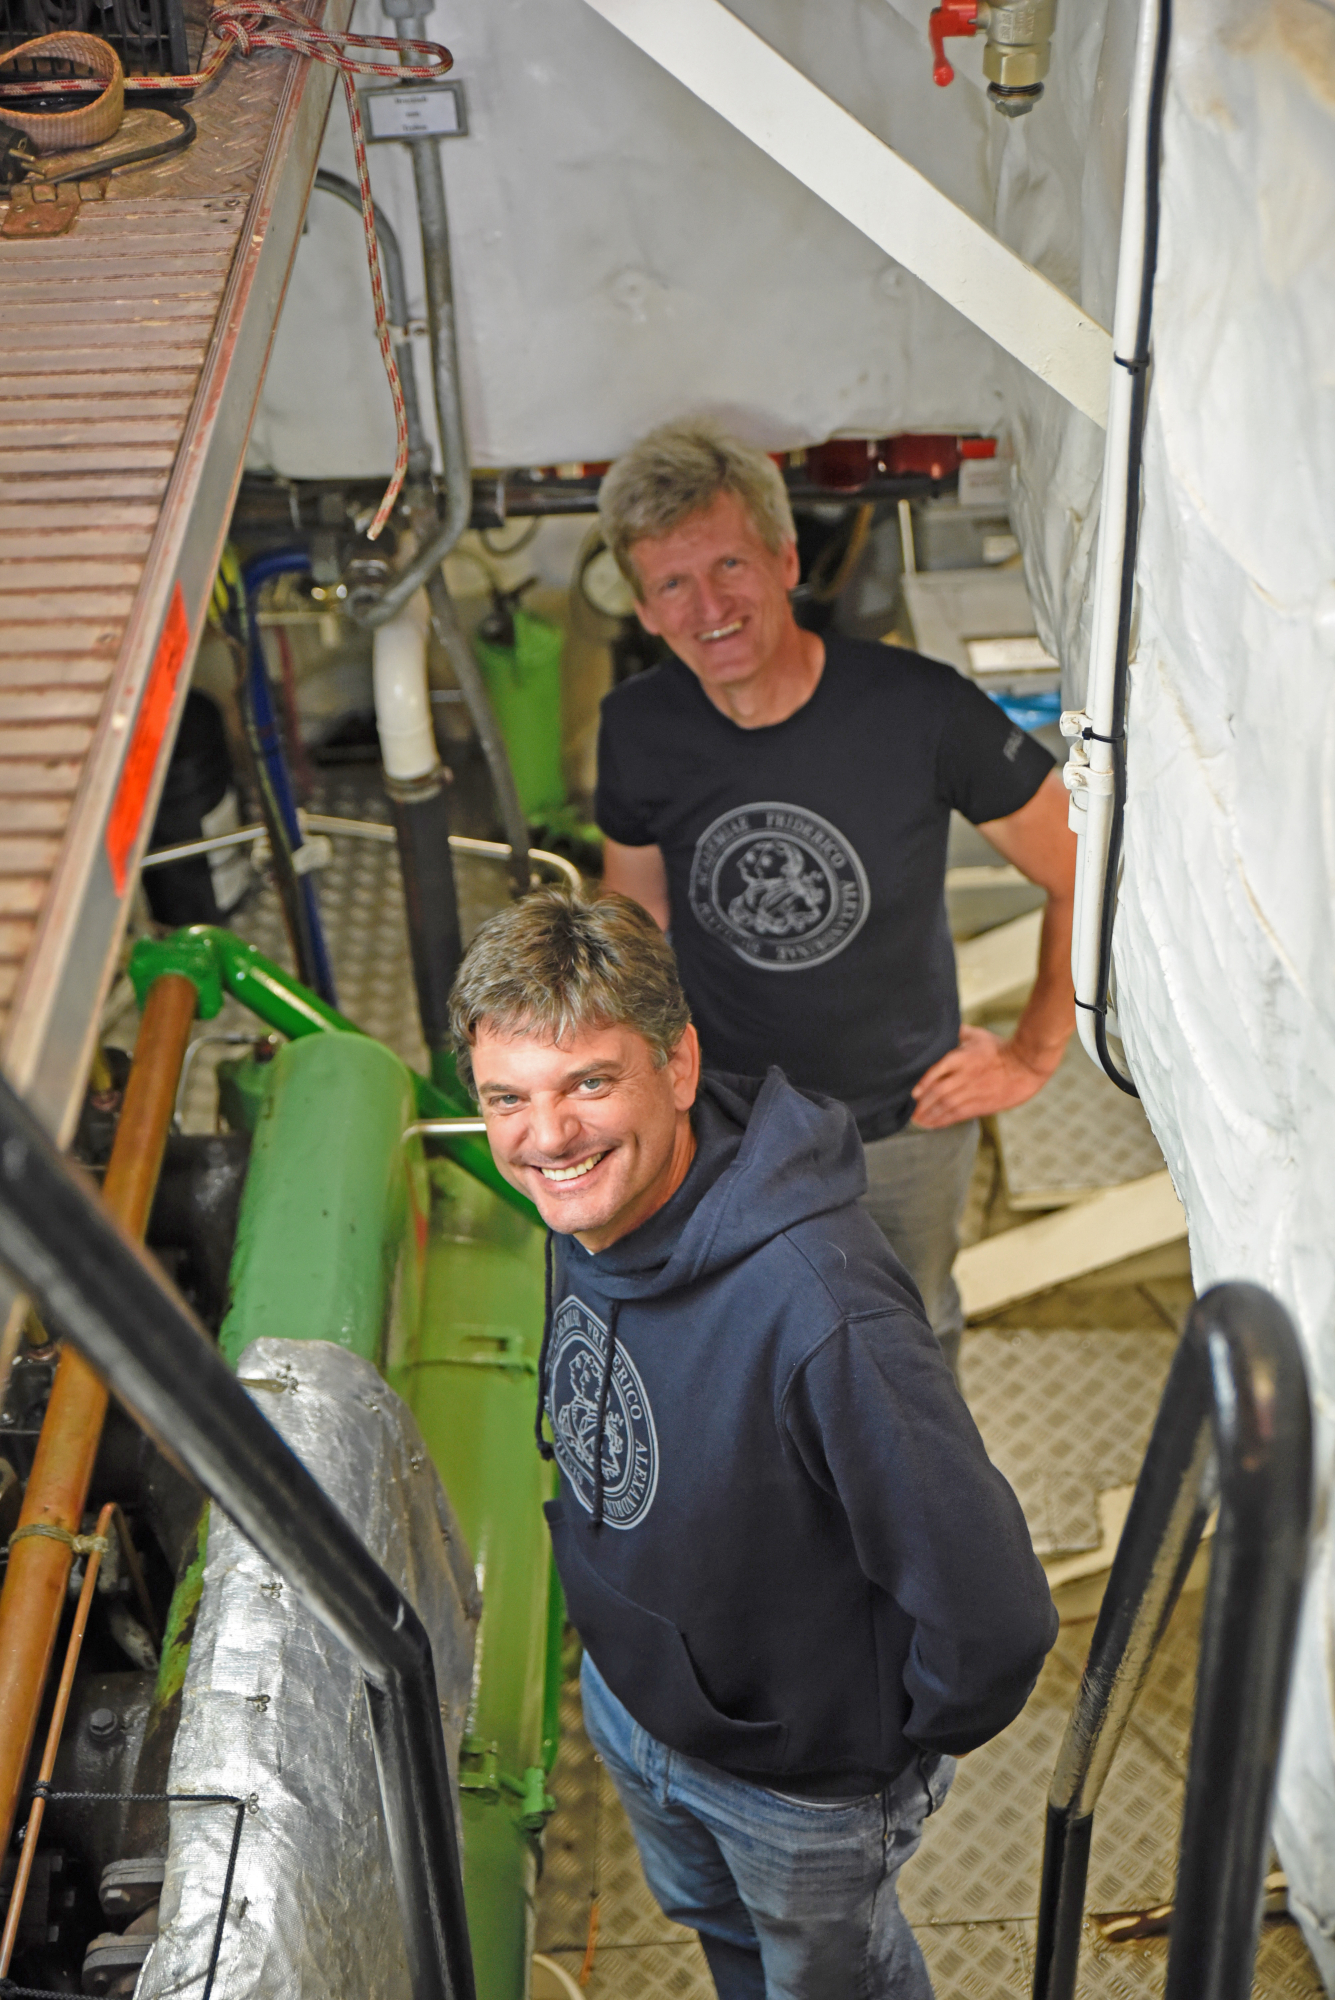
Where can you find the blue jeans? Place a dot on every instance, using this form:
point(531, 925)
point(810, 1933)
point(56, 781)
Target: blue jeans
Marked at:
point(793, 1900)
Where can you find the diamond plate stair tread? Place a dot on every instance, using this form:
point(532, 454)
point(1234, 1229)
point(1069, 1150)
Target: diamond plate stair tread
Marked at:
point(1066, 1416)
point(980, 1855)
point(643, 1972)
point(977, 1961)
point(1081, 1133)
point(1284, 1967)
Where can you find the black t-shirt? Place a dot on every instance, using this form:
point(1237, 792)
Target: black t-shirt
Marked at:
point(806, 861)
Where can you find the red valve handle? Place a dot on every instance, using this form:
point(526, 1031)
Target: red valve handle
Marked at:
point(952, 17)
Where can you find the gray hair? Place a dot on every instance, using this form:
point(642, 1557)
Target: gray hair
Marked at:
point(554, 963)
point(678, 470)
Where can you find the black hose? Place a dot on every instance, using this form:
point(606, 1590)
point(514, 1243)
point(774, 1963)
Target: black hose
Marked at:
point(1137, 364)
point(422, 823)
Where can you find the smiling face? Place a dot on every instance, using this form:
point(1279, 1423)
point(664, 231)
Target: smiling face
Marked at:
point(717, 595)
point(589, 1130)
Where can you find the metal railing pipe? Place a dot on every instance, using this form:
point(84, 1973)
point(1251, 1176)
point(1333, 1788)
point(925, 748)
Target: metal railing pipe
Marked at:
point(100, 1291)
point(1234, 1422)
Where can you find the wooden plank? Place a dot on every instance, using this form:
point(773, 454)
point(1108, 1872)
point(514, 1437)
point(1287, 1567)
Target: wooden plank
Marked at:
point(999, 965)
point(112, 461)
point(22, 895)
point(64, 571)
point(47, 740)
point(23, 816)
point(1119, 1223)
point(54, 780)
point(16, 935)
point(26, 670)
point(22, 855)
point(20, 640)
point(178, 379)
point(47, 704)
point(55, 608)
point(65, 483)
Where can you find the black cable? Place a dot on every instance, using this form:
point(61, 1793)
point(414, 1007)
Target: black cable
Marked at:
point(1137, 365)
point(163, 149)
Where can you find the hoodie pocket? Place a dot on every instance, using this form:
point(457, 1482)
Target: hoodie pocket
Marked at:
point(645, 1661)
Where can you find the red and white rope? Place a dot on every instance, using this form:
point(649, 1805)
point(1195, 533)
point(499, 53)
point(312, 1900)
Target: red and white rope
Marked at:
point(238, 27)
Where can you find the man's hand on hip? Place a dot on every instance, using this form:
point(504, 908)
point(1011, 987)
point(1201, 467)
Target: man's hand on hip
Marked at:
point(980, 1075)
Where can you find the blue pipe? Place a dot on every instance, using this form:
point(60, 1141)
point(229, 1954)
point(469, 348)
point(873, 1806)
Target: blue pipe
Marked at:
point(262, 570)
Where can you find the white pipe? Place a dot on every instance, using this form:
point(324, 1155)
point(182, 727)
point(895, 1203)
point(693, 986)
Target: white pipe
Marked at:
point(1089, 771)
point(402, 698)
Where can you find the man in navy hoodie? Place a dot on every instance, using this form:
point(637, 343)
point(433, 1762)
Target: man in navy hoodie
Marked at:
point(801, 1586)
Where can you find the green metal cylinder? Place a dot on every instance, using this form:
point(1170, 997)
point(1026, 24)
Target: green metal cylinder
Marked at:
point(472, 1386)
point(333, 1219)
point(524, 682)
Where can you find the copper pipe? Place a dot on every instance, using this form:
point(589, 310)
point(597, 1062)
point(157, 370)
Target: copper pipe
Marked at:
point(28, 1852)
point(57, 1492)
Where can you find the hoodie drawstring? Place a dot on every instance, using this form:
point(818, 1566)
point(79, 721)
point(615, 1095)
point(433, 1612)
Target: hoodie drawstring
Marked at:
point(603, 1395)
point(544, 1352)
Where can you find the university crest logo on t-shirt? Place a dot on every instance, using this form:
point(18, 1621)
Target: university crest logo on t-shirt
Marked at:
point(630, 1442)
point(780, 885)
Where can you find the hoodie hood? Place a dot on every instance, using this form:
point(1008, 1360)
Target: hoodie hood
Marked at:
point(767, 1156)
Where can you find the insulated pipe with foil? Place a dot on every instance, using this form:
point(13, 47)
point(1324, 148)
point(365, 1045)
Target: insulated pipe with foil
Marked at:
point(416, 786)
point(100, 1291)
point(42, 1546)
point(1095, 772)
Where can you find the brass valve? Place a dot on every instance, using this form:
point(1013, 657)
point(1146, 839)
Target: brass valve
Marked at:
point(1018, 50)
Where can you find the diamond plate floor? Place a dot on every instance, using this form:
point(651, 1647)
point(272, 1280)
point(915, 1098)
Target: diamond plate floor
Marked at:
point(1066, 1415)
point(1081, 1133)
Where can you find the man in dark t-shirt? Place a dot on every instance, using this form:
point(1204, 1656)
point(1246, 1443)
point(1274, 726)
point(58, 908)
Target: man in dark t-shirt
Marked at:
point(782, 803)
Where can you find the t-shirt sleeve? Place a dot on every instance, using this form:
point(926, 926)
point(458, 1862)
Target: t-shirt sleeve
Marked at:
point(619, 806)
point(987, 766)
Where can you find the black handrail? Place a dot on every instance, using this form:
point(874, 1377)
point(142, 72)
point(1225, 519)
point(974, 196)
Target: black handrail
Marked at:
point(98, 1288)
point(1234, 1424)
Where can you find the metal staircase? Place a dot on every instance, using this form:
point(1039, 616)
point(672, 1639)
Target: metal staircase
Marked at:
point(132, 349)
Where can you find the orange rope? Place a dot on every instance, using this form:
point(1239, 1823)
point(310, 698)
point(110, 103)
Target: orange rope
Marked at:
point(238, 27)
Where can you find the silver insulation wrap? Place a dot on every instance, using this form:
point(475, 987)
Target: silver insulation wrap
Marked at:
point(273, 1711)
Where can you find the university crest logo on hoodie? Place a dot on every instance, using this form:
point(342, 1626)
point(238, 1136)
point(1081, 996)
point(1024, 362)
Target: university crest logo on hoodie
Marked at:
point(629, 1440)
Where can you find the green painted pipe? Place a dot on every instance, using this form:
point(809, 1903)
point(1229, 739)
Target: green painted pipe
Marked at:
point(471, 1385)
point(334, 1214)
point(217, 961)
point(524, 681)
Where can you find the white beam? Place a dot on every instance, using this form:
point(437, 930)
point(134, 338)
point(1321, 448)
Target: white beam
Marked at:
point(999, 965)
point(1119, 1223)
point(730, 69)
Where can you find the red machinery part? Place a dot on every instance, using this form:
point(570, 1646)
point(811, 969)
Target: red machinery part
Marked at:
point(952, 17)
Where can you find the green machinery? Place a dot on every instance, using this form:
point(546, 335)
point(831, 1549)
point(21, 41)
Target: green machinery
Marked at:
point(432, 1269)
